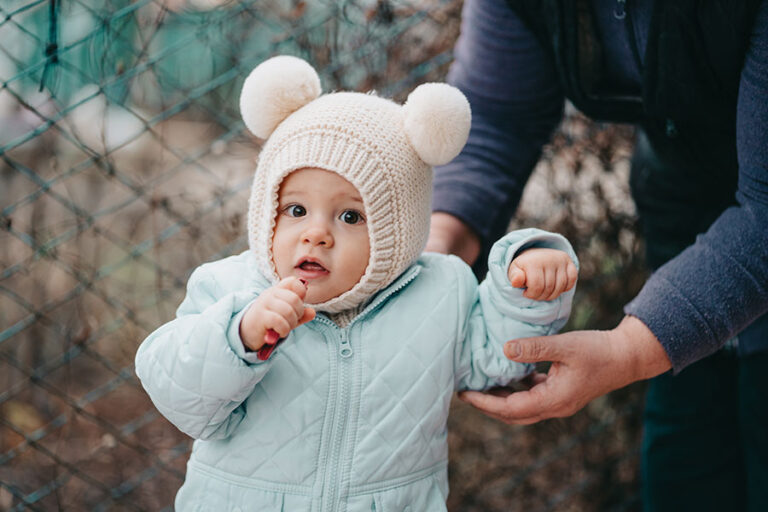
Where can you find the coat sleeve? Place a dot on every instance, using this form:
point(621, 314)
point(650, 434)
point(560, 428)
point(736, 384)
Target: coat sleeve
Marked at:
point(495, 313)
point(195, 368)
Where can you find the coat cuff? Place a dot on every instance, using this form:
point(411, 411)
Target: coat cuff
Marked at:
point(510, 300)
point(236, 343)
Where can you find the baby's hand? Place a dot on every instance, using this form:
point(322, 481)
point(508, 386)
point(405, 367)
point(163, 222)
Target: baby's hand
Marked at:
point(274, 314)
point(545, 273)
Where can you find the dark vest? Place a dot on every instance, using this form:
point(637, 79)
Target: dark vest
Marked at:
point(687, 106)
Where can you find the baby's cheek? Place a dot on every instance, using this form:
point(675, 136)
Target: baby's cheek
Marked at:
point(280, 260)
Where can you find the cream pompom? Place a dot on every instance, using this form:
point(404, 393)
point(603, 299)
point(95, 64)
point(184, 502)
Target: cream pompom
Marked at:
point(275, 89)
point(437, 120)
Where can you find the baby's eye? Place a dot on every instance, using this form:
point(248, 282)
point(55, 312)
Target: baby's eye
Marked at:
point(295, 210)
point(351, 217)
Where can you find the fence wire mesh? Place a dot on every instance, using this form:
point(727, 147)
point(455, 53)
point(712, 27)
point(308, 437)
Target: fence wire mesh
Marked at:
point(125, 165)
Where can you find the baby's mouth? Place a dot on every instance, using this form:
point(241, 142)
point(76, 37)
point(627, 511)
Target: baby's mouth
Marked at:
point(311, 265)
point(311, 269)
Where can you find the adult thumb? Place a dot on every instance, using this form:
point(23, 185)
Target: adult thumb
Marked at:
point(534, 350)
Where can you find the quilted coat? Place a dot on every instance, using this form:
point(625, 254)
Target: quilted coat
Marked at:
point(337, 419)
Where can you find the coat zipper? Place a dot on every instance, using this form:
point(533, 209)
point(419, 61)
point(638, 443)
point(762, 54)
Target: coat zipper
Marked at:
point(332, 478)
point(332, 482)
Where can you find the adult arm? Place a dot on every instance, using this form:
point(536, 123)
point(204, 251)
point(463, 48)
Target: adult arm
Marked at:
point(719, 285)
point(516, 101)
point(689, 308)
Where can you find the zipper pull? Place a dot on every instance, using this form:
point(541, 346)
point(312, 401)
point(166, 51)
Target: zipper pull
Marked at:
point(345, 349)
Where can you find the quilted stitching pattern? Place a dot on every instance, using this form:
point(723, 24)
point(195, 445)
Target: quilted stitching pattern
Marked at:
point(407, 387)
point(264, 421)
point(285, 417)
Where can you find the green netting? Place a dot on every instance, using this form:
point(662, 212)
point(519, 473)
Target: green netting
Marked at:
point(124, 164)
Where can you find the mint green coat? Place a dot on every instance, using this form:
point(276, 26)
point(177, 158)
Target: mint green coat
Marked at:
point(337, 419)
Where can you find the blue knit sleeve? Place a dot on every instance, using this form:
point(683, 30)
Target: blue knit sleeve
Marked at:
point(719, 286)
point(516, 101)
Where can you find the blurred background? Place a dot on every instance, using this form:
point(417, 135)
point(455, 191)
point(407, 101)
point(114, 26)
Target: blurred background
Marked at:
point(124, 164)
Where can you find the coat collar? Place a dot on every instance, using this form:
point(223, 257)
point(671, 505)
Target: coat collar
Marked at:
point(260, 283)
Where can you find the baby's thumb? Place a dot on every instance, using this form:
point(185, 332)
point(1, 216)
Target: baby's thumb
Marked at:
point(516, 276)
point(296, 285)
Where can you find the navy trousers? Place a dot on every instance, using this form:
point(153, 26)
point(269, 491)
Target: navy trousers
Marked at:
point(705, 444)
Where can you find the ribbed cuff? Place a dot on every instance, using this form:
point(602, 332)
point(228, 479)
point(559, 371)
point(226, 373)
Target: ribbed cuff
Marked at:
point(682, 330)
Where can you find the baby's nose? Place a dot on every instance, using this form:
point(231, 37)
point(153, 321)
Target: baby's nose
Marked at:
point(318, 235)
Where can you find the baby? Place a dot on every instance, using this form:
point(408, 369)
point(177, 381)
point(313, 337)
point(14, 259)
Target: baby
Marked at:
point(316, 369)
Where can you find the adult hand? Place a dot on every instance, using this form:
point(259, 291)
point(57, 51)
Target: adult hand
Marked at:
point(450, 235)
point(585, 365)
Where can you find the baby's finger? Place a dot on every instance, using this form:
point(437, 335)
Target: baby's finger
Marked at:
point(573, 275)
point(560, 280)
point(534, 282)
point(294, 284)
point(308, 316)
point(278, 323)
point(516, 276)
point(550, 283)
point(292, 299)
point(284, 308)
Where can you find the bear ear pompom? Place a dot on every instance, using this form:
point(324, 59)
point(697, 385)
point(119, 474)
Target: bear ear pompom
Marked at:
point(437, 120)
point(275, 89)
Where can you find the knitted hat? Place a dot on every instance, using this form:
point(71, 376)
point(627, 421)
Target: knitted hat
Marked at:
point(385, 150)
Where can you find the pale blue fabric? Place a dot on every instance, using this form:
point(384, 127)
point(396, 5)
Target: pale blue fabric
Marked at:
point(338, 419)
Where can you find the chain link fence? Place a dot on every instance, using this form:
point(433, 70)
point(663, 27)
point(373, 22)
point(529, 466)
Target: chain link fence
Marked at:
point(124, 164)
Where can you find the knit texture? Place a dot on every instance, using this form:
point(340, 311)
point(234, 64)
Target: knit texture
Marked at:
point(383, 149)
point(360, 137)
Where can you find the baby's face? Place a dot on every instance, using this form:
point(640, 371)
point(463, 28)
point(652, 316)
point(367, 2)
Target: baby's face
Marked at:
point(321, 234)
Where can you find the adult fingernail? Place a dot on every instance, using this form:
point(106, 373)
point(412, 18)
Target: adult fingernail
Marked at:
point(512, 350)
